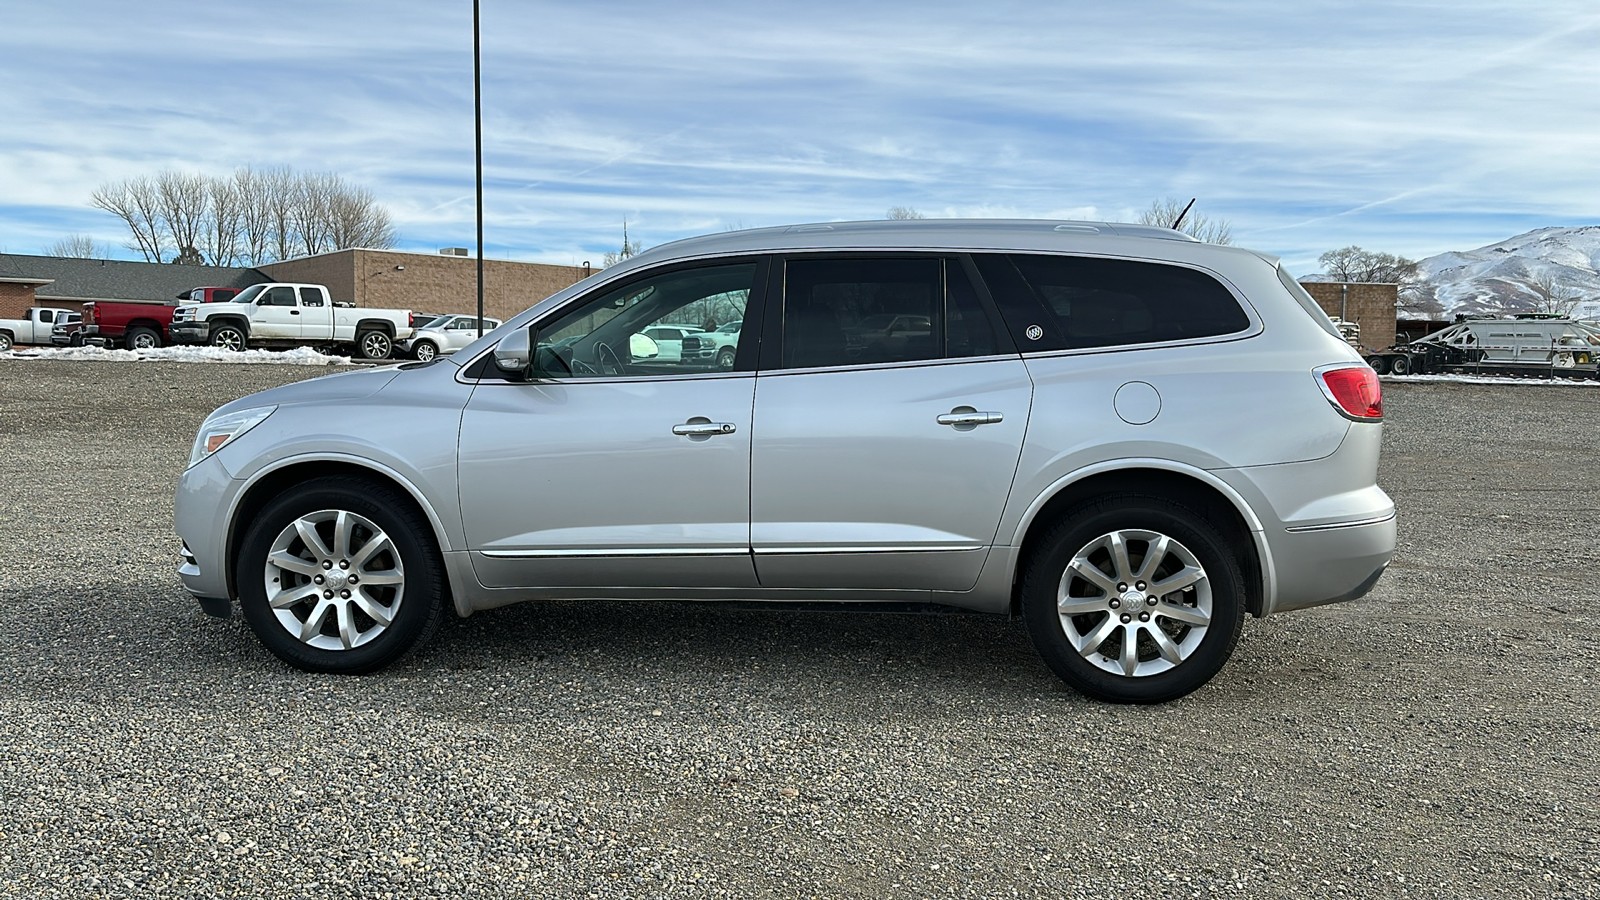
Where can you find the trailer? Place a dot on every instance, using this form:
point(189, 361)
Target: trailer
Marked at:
point(1526, 344)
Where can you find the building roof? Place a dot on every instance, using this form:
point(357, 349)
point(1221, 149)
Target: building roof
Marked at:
point(111, 279)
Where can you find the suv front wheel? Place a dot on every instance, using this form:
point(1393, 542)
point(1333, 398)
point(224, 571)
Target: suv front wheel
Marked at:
point(1134, 599)
point(339, 575)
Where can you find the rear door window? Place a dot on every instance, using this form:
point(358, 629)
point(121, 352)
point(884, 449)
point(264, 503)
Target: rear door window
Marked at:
point(867, 310)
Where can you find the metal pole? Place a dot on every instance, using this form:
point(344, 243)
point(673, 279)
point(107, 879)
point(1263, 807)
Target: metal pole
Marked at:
point(477, 128)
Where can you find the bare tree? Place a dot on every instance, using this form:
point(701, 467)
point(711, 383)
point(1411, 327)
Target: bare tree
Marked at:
point(282, 191)
point(903, 212)
point(309, 215)
point(220, 243)
point(77, 246)
point(253, 217)
point(1356, 265)
point(356, 220)
point(1552, 297)
point(137, 202)
point(1165, 212)
point(182, 199)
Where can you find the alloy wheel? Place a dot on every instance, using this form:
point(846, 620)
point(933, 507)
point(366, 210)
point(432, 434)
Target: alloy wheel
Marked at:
point(1134, 602)
point(334, 579)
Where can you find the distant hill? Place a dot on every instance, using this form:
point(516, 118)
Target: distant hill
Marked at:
point(1499, 278)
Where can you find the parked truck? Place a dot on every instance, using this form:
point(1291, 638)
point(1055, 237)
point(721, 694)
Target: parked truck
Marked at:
point(34, 327)
point(291, 315)
point(1525, 344)
point(142, 324)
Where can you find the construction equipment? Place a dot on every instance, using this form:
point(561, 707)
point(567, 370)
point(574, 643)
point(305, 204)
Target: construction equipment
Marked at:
point(1525, 344)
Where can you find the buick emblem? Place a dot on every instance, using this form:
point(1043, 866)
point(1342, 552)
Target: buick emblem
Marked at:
point(1034, 332)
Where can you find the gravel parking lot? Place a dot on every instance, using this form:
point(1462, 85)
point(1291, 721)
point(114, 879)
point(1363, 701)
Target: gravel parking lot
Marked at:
point(1436, 739)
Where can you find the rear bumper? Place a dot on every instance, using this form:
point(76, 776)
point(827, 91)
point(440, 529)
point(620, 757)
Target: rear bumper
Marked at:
point(1330, 562)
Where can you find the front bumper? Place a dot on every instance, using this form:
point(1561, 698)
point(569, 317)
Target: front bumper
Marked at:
point(190, 332)
point(206, 494)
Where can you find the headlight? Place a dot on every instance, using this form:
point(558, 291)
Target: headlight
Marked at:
point(217, 431)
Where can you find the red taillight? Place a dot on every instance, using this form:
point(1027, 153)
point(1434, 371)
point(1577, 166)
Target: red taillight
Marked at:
point(411, 320)
point(1354, 391)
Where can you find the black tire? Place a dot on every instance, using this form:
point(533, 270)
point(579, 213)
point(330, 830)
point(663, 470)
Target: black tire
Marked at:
point(725, 358)
point(229, 337)
point(5, 341)
point(1115, 617)
point(75, 339)
point(424, 350)
point(1379, 364)
point(374, 345)
point(1400, 365)
point(407, 548)
point(141, 338)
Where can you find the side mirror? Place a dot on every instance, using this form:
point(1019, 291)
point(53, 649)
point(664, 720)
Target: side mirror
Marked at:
point(515, 351)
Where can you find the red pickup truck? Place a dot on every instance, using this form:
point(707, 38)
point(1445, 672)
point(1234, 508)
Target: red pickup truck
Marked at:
point(139, 325)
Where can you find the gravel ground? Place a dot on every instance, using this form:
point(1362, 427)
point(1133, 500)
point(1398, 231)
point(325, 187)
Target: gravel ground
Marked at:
point(1435, 739)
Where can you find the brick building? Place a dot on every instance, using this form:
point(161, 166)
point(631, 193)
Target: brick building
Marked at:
point(389, 279)
point(1372, 306)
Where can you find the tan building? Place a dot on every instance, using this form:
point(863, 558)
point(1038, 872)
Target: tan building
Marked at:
point(1372, 306)
point(422, 282)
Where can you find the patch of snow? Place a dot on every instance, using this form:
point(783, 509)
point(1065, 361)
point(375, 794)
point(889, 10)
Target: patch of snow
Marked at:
point(299, 356)
point(1492, 379)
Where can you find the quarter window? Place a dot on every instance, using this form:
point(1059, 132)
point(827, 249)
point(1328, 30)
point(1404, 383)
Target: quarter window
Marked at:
point(1097, 302)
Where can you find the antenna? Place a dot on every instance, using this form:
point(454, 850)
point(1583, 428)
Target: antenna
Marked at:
point(1179, 220)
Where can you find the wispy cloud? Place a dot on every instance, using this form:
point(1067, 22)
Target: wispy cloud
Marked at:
point(1410, 127)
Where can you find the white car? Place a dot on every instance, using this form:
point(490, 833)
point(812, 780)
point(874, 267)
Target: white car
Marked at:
point(445, 334)
point(669, 339)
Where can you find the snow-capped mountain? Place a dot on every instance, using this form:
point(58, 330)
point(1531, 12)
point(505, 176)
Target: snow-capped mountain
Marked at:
point(1508, 276)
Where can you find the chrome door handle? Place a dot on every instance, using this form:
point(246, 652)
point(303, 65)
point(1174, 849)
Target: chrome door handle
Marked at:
point(969, 417)
point(703, 428)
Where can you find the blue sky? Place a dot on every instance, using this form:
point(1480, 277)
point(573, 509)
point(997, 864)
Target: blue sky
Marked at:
point(1412, 128)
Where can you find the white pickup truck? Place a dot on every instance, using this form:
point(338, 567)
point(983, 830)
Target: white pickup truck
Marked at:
point(34, 328)
point(290, 315)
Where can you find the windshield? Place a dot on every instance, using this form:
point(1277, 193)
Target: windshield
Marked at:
point(248, 295)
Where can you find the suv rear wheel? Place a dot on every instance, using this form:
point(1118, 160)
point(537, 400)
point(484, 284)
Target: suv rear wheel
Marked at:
point(1134, 599)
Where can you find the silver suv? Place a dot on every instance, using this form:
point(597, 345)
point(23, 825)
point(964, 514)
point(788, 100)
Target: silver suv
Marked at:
point(1125, 437)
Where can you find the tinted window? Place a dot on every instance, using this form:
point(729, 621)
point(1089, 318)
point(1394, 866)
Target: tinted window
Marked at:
point(860, 311)
point(279, 296)
point(1108, 302)
point(308, 297)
